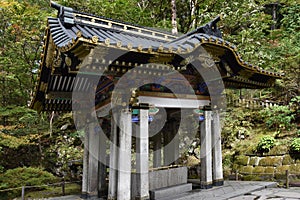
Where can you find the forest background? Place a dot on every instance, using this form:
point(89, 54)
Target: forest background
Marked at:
point(266, 33)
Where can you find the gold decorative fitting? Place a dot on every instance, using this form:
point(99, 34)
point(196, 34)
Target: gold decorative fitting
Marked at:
point(93, 20)
point(150, 49)
point(107, 41)
point(43, 86)
point(189, 49)
point(161, 47)
point(78, 34)
point(170, 49)
point(95, 39)
point(179, 50)
point(119, 44)
point(140, 47)
point(123, 63)
point(110, 24)
point(129, 46)
point(68, 61)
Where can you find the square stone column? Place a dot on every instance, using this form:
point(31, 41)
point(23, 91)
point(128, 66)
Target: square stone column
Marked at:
point(171, 144)
point(113, 161)
point(90, 168)
point(124, 164)
point(217, 150)
point(157, 145)
point(85, 164)
point(142, 156)
point(206, 152)
point(102, 185)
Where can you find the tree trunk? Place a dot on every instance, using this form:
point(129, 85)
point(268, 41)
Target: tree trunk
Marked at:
point(174, 22)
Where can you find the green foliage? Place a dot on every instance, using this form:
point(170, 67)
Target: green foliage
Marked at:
point(21, 25)
point(295, 145)
point(238, 121)
point(278, 117)
point(265, 144)
point(26, 176)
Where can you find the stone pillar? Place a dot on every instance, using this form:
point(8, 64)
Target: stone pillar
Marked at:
point(157, 144)
point(113, 162)
point(175, 143)
point(205, 152)
point(102, 185)
point(93, 145)
point(124, 165)
point(217, 150)
point(142, 159)
point(167, 150)
point(85, 164)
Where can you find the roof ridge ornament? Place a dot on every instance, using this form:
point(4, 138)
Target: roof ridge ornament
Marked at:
point(65, 14)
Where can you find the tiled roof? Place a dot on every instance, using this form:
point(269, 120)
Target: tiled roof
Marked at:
point(71, 35)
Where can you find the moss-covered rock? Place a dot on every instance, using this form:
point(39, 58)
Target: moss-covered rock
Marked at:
point(269, 170)
point(282, 169)
point(235, 167)
point(271, 161)
point(251, 178)
point(279, 150)
point(295, 168)
point(241, 160)
point(258, 170)
point(254, 161)
point(246, 170)
point(287, 160)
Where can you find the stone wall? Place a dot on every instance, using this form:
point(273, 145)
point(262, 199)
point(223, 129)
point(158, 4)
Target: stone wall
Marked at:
point(271, 167)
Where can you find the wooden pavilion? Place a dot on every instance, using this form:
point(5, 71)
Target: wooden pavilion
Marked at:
point(101, 68)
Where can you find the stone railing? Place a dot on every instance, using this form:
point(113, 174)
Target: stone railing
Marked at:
point(252, 103)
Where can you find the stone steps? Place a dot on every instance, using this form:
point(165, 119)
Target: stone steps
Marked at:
point(167, 192)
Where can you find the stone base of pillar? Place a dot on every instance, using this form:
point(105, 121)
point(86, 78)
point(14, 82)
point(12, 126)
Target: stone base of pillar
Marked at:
point(84, 195)
point(204, 185)
point(88, 196)
point(218, 182)
point(142, 198)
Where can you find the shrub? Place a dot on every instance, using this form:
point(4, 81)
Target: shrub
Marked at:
point(265, 144)
point(26, 176)
point(295, 148)
point(278, 117)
